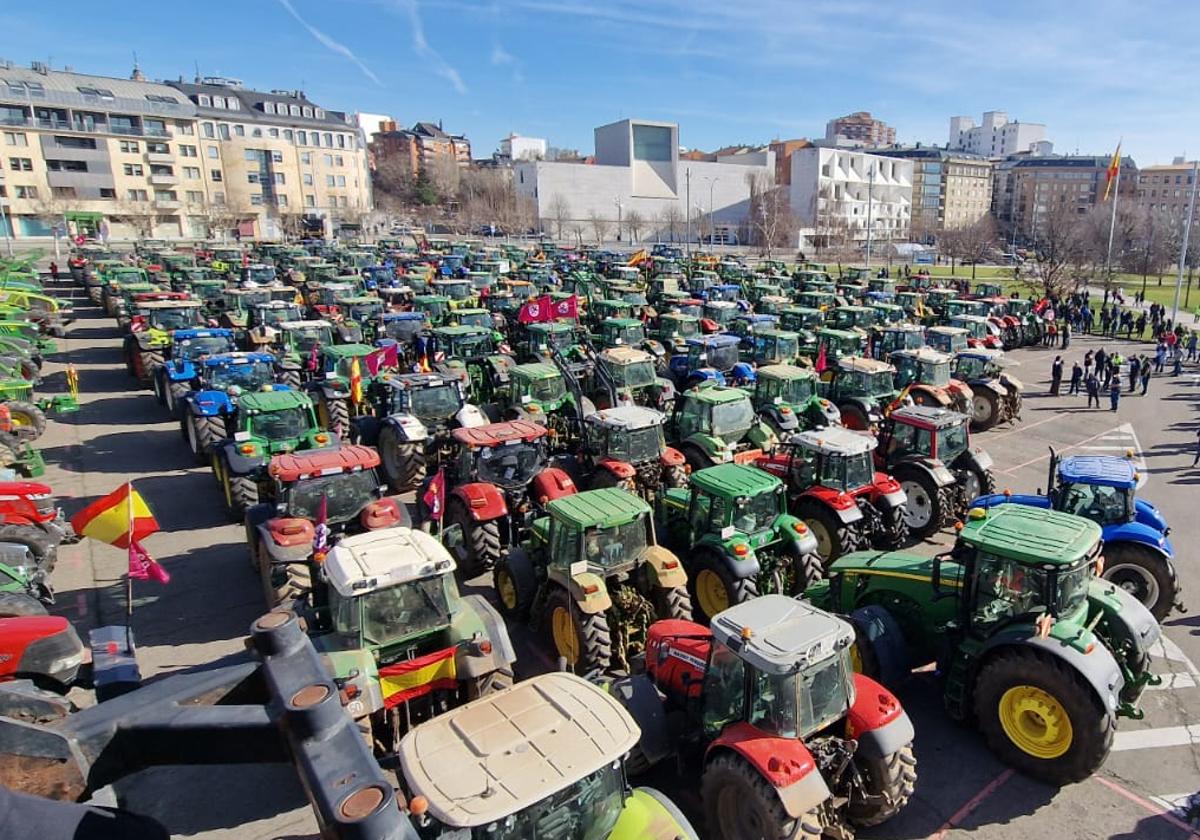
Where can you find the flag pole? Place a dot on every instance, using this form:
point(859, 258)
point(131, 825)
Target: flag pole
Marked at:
point(1187, 231)
point(128, 572)
point(1112, 224)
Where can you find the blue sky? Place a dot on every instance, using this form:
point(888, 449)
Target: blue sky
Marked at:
point(727, 72)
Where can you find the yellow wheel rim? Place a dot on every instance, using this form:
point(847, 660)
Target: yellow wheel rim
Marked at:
point(506, 589)
point(856, 659)
point(20, 418)
point(1035, 721)
point(566, 640)
point(711, 592)
point(824, 541)
point(228, 490)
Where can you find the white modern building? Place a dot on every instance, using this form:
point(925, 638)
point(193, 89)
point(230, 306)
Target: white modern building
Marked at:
point(834, 190)
point(516, 147)
point(997, 137)
point(637, 170)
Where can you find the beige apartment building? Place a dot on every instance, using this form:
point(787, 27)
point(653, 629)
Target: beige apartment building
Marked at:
point(130, 158)
point(1166, 189)
point(950, 189)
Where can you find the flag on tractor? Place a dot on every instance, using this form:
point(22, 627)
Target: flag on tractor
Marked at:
point(638, 258)
point(435, 496)
point(356, 385)
point(412, 678)
point(567, 308)
point(245, 259)
point(314, 354)
point(385, 357)
point(822, 362)
point(899, 401)
point(123, 519)
point(321, 528)
point(536, 311)
point(1114, 170)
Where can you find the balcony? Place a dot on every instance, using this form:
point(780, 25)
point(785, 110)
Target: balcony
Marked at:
point(164, 179)
point(160, 157)
point(168, 203)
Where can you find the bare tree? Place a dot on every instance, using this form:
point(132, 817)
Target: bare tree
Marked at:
point(634, 224)
point(600, 226)
point(770, 215)
point(1149, 250)
point(1097, 227)
point(1060, 247)
point(138, 215)
point(973, 243)
point(444, 175)
point(671, 219)
point(560, 212)
point(575, 228)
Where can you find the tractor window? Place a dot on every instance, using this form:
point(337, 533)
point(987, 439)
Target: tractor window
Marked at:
point(417, 606)
point(511, 465)
point(286, 424)
point(564, 544)
point(802, 468)
point(952, 442)
point(773, 704)
point(1005, 589)
point(615, 545)
point(724, 689)
point(756, 513)
point(701, 508)
point(436, 403)
point(544, 390)
point(193, 348)
point(903, 440)
point(1103, 505)
point(693, 418)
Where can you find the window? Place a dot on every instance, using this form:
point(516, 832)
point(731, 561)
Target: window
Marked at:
point(213, 154)
point(214, 174)
point(223, 131)
point(273, 132)
point(328, 140)
point(136, 195)
point(310, 201)
point(319, 113)
point(279, 179)
point(129, 147)
point(651, 142)
point(306, 158)
point(256, 133)
point(17, 164)
point(233, 103)
point(218, 197)
point(281, 200)
point(186, 129)
point(156, 148)
point(250, 154)
point(330, 181)
point(269, 107)
point(308, 179)
point(315, 138)
point(154, 97)
point(191, 172)
point(341, 201)
point(328, 159)
point(306, 111)
point(161, 169)
point(294, 110)
point(165, 195)
point(103, 93)
point(108, 192)
point(341, 180)
point(301, 138)
point(218, 101)
point(256, 199)
point(188, 151)
point(341, 141)
point(15, 138)
point(277, 157)
point(239, 130)
point(26, 192)
point(133, 169)
point(252, 177)
point(205, 100)
point(209, 131)
point(66, 166)
point(195, 197)
point(155, 127)
point(74, 142)
point(339, 161)
point(289, 135)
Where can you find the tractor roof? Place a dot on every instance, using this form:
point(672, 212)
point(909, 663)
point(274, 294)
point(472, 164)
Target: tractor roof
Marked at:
point(924, 354)
point(679, 316)
point(834, 440)
point(549, 327)
point(991, 354)
point(257, 402)
point(505, 752)
point(1106, 470)
point(495, 434)
point(777, 333)
point(240, 357)
point(170, 304)
point(625, 355)
point(460, 330)
point(785, 372)
point(1033, 535)
point(302, 325)
point(776, 634)
point(627, 417)
point(734, 480)
point(972, 319)
point(273, 304)
point(405, 316)
point(715, 340)
point(929, 416)
point(622, 322)
point(536, 370)
point(836, 333)
point(861, 364)
point(716, 394)
point(346, 351)
point(381, 559)
point(215, 332)
point(943, 329)
point(294, 466)
point(903, 328)
point(354, 300)
point(415, 381)
point(606, 507)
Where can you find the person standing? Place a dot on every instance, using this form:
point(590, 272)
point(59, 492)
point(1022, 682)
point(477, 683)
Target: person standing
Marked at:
point(1066, 334)
point(1134, 370)
point(1197, 458)
point(1092, 385)
point(1177, 358)
point(1145, 374)
point(54, 271)
point(1114, 394)
point(1191, 346)
point(1076, 378)
point(1056, 374)
point(1160, 356)
point(1087, 363)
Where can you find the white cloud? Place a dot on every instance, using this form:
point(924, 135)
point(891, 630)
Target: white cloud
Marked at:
point(501, 56)
point(440, 66)
point(335, 46)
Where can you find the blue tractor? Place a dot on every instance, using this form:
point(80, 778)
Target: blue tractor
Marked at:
point(1138, 557)
point(178, 376)
point(710, 358)
point(206, 411)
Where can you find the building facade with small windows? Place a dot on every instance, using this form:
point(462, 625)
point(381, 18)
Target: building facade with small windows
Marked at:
point(950, 189)
point(842, 194)
point(1166, 189)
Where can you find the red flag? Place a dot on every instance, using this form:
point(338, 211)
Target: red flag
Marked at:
point(821, 362)
point(434, 498)
point(144, 567)
point(118, 519)
point(567, 308)
point(384, 357)
point(313, 354)
point(535, 311)
point(245, 260)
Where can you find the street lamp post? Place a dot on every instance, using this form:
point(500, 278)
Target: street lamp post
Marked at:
point(8, 234)
point(711, 216)
point(870, 190)
point(687, 177)
point(617, 201)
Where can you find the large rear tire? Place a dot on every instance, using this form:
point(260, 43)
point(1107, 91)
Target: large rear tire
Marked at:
point(714, 589)
point(833, 538)
point(1144, 574)
point(889, 782)
point(894, 529)
point(481, 541)
point(583, 640)
point(336, 414)
point(985, 411)
point(1041, 717)
point(174, 397)
point(282, 584)
point(202, 433)
point(923, 511)
point(739, 803)
point(674, 603)
point(515, 585)
point(403, 461)
point(29, 421)
point(41, 545)
point(148, 360)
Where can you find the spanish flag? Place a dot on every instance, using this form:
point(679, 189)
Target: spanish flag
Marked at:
point(899, 401)
point(115, 519)
point(356, 388)
point(412, 678)
point(638, 258)
point(1113, 171)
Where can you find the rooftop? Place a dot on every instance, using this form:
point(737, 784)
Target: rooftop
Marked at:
point(784, 634)
point(734, 480)
point(380, 559)
point(606, 506)
point(628, 417)
point(1031, 534)
point(834, 440)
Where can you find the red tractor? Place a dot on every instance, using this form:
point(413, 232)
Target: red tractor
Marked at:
point(791, 742)
point(30, 516)
point(498, 479)
point(833, 486)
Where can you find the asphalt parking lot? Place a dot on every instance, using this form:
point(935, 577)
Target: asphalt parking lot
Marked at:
point(1147, 789)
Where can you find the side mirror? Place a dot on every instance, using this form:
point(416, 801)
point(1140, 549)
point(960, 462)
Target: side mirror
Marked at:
point(938, 592)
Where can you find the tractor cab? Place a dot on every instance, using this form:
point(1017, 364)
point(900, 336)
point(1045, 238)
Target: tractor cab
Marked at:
point(771, 347)
point(167, 315)
point(721, 312)
point(462, 342)
point(839, 344)
point(712, 357)
point(786, 398)
point(861, 388)
point(258, 274)
point(962, 306)
point(237, 373)
point(858, 318)
point(544, 340)
point(922, 366)
point(458, 292)
point(435, 308)
point(617, 332)
point(602, 309)
point(278, 421)
point(812, 299)
point(888, 314)
point(898, 337)
point(675, 328)
point(988, 290)
point(980, 331)
point(938, 296)
point(836, 458)
point(800, 318)
point(947, 339)
point(635, 378)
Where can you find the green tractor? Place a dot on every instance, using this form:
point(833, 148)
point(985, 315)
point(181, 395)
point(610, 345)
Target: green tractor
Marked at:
point(592, 573)
point(334, 390)
point(152, 327)
point(538, 392)
point(1033, 646)
point(674, 329)
point(733, 527)
point(786, 399)
point(361, 318)
point(293, 348)
point(715, 424)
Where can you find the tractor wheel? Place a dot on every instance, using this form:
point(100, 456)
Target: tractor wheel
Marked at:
point(893, 529)
point(15, 604)
point(1041, 717)
point(515, 584)
point(336, 414)
point(202, 433)
point(925, 510)
point(879, 649)
point(978, 483)
point(889, 783)
point(480, 539)
point(985, 411)
point(241, 492)
point(583, 640)
point(403, 461)
point(740, 802)
point(1144, 574)
point(833, 538)
point(174, 396)
point(854, 418)
point(291, 378)
point(159, 394)
point(293, 584)
point(147, 361)
point(675, 476)
point(714, 589)
point(40, 544)
point(29, 421)
point(807, 569)
point(674, 603)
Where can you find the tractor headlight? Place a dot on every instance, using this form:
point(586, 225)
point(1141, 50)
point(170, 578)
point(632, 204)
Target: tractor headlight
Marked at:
point(65, 664)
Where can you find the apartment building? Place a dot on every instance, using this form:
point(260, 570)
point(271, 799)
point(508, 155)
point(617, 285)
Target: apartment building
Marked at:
point(997, 136)
point(861, 128)
point(415, 152)
point(1027, 190)
point(834, 190)
point(950, 189)
point(1166, 189)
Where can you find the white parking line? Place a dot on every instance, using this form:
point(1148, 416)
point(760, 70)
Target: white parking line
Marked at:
point(1174, 680)
point(1177, 802)
point(1167, 649)
point(1164, 736)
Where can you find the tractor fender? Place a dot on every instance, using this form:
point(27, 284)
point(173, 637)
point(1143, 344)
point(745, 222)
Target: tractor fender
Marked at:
point(180, 370)
point(993, 499)
point(803, 541)
point(1099, 668)
point(877, 720)
point(782, 417)
point(238, 463)
point(1146, 513)
point(408, 428)
point(641, 699)
point(495, 631)
point(976, 459)
point(934, 469)
point(470, 416)
point(666, 571)
point(286, 539)
point(1136, 532)
point(937, 396)
point(619, 469)
point(332, 389)
point(654, 348)
point(842, 504)
point(740, 568)
point(588, 591)
point(889, 493)
point(785, 763)
point(484, 501)
point(1129, 621)
point(384, 513)
point(210, 403)
point(550, 484)
point(671, 457)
